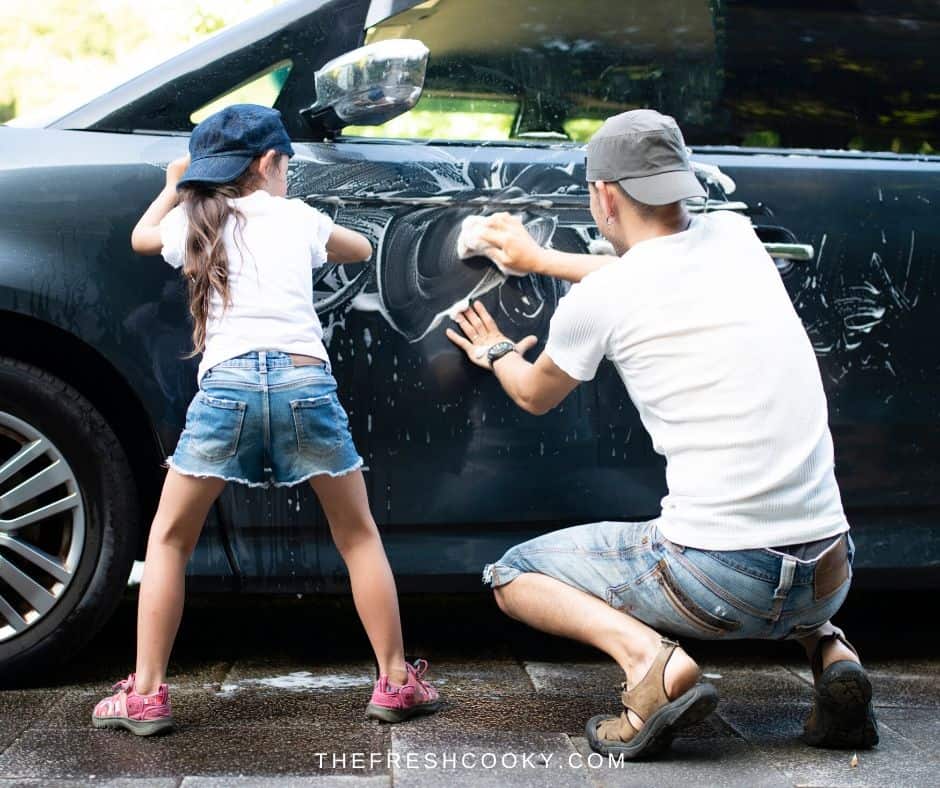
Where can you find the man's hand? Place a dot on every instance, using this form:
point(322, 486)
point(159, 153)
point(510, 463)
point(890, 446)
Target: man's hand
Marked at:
point(511, 246)
point(481, 333)
point(510, 243)
point(175, 170)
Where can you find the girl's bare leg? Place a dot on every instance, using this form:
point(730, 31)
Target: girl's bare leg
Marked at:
point(184, 505)
point(356, 536)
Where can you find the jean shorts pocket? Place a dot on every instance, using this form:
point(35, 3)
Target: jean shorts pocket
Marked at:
point(214, 426)
point(690, 612)
point(318, 424)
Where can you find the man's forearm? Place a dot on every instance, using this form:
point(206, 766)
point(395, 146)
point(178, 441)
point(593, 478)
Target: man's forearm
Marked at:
point(513, 373)
point(568, 266)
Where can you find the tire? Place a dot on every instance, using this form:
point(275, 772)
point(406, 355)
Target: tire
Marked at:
point(92, 538)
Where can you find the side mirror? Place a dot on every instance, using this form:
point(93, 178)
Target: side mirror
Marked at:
point(368, 86)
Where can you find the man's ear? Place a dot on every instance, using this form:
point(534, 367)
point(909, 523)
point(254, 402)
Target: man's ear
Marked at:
point(605, 198)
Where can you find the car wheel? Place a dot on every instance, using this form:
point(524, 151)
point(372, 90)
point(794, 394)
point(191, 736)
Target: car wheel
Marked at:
point(68, 520)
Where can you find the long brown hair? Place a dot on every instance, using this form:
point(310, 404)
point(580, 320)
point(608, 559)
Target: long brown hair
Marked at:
point(205, 262)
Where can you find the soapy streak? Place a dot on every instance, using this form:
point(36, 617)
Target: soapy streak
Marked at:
point(416, 280)
point(515, 204)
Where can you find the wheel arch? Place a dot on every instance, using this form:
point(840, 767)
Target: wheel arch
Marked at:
point(79, 364)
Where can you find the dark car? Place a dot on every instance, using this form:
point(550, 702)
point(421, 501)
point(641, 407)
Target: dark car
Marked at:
point(817, 120)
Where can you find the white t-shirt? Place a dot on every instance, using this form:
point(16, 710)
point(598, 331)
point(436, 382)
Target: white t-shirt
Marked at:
point(271, 284)
point(700, 328)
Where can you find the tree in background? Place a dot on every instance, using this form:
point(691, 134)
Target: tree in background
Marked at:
point(55, 54)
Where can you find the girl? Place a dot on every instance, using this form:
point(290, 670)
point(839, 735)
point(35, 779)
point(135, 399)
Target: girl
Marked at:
point(266, 410)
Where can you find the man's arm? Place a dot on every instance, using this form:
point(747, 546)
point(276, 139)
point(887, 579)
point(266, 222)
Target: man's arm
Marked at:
point(568, 266)
point(536, 388)
point(512, 246)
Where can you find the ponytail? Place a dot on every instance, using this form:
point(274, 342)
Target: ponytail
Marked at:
point(205, 261)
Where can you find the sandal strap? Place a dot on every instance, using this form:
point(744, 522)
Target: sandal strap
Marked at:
point(816, 662)
point(617, 729)
point(649, 693)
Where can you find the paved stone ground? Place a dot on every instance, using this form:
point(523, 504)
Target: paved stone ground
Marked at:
point(270, 693)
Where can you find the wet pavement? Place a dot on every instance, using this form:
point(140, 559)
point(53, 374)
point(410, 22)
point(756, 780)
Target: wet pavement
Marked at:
point(271, 692)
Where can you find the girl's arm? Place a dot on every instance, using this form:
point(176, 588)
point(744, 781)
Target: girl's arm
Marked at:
point(145, 239)
point(347, 246)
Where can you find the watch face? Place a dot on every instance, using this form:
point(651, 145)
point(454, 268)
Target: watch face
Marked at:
point(499, 350)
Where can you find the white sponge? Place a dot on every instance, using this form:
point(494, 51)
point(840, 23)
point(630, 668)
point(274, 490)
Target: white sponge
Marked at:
point(470, 244)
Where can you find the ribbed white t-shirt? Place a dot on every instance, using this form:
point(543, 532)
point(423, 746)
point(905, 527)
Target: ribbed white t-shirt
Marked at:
point(270, 260)
point(700, 328)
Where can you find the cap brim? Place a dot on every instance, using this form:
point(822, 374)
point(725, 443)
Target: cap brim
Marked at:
point(215, 169)
point(664, 188)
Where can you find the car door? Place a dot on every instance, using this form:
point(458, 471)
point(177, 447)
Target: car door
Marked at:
point(450, 457)
point(844, 95)
point(510, 94)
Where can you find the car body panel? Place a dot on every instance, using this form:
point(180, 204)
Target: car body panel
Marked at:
point(455, 471)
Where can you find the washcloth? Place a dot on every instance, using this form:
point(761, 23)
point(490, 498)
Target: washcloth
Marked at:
point(470, 244)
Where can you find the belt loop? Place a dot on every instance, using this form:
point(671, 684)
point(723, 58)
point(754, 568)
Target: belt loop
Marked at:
point(262, 360)
point(787, 572)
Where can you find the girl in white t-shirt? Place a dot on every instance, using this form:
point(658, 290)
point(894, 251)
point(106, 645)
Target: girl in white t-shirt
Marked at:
point(266, 411)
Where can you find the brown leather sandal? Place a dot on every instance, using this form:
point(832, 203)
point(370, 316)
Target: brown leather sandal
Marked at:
point(843, 716)
point(661, 716)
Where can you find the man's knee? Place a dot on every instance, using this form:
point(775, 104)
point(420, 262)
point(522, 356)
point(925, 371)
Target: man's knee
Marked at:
point(506, 596)
point(499, 594)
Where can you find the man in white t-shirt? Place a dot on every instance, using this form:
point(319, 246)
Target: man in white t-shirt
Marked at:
point(752, 541)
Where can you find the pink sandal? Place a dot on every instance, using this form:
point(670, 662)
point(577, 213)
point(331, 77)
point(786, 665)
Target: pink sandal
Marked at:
point(142, 715)
point(393, 703)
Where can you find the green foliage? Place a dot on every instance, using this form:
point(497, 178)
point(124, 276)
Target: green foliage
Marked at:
point(761, 139)
point(206, 22)
point(7, 110)
point(56, 53)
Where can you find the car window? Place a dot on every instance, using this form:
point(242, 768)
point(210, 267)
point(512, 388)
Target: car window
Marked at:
point(269, 59)
point(448, 116)
point(828, 74)
point(262, 88)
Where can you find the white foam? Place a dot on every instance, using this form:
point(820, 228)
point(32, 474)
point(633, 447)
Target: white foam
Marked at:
point(461, 306)
point(301, 681)
point(714, 175)
point(137, 572)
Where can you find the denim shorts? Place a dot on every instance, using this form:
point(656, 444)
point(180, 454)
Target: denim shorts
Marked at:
point(259, 420)
point(686, 592)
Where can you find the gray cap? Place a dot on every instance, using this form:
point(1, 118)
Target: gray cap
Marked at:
point(644, 152)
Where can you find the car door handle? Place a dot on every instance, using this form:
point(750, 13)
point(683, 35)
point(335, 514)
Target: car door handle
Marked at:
point(718, 205)
point(788, 251)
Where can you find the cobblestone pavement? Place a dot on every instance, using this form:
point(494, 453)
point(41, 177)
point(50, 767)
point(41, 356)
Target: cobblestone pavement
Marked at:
point(271, 693)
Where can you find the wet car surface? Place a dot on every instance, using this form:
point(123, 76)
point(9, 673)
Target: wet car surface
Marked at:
point(94, 387)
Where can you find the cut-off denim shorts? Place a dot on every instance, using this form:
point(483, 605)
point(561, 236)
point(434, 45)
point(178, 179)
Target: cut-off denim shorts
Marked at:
point(686, 592)
point(259, 420)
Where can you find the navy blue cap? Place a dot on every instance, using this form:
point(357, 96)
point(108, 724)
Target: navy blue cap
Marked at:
point(224, 144)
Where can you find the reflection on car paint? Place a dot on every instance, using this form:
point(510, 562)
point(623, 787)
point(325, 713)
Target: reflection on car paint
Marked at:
point(847, 327)
point(413, 213)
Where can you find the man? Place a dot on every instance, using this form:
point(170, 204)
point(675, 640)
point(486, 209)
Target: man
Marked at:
point(752, 541)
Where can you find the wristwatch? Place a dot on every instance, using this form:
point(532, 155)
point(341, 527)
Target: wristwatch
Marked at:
point(499, 350)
